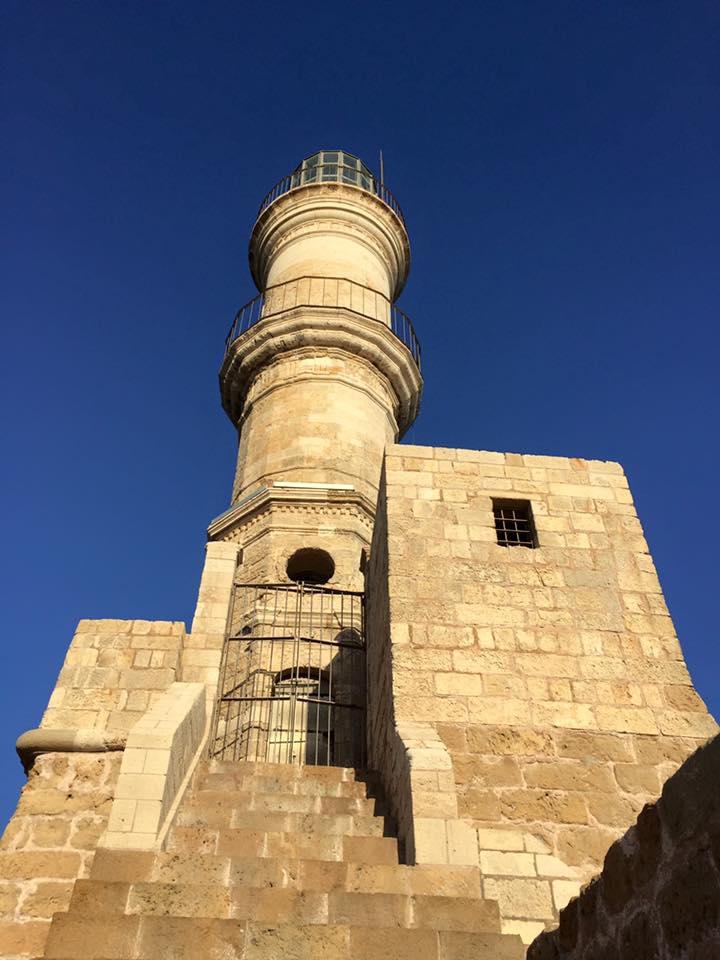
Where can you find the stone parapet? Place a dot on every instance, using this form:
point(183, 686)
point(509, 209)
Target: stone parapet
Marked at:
point(159, 757)
point(113, 671)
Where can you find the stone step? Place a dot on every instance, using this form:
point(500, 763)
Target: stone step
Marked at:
point(306, 846)
point(291, 802)
point(272, 905)
point(296, 845)
point(152, 938)
point(312, 875)
point(222, 813)
point(286, 771)
point(302, 786)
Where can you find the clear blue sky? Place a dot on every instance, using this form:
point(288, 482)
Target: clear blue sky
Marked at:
point(558, 166)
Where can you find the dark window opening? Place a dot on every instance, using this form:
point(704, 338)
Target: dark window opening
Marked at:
point(310, 565)
point(514, 524)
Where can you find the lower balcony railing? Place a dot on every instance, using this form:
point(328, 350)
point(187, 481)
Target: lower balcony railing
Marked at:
point(326, 292)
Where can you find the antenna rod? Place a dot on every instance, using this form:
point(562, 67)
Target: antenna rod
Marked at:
point(382, 170)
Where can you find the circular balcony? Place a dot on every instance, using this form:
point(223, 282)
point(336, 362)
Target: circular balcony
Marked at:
point(323, 292)
point(333, 166)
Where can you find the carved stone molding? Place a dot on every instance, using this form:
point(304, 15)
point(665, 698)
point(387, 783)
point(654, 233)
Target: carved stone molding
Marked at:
point(266, 501)
point(321, 328)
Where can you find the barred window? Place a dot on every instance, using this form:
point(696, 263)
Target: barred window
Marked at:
point(514, 524)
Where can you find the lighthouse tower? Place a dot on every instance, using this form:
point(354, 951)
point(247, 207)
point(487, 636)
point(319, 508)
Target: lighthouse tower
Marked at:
point(321, 373)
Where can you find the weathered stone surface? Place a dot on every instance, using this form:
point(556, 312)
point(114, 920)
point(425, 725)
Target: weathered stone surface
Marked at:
point(659, 891)
point(80, 937)
point(522, 898)
point(265, 942)
point(23, 939)
point(400, 944)
point(195, 904)
point(46, 899)
point(565, 700)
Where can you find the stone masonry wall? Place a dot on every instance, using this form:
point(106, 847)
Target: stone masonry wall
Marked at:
point(113, 671)
point(552, 675)
point(658, 897)
point(50, 841)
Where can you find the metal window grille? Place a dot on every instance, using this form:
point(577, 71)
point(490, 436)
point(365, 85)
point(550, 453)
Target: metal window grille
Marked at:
point(292, 682)
point(514, 523)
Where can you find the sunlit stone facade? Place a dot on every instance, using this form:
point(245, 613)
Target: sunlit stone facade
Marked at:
point(424, 689)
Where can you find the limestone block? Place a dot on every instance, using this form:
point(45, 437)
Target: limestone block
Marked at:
point(626, 720)
point(462, 843)
point(527, 930)
point(550, 866)
point(23, 939)
point(505, 864)
point(430, 841)
point(570, 776)
point(496, 839)
point(30, 864)
point(458, 684)
point(563, 891)
point(520, 898)
point(499, 711)
point(569, 715)
point(534, 844)
point(530, 806)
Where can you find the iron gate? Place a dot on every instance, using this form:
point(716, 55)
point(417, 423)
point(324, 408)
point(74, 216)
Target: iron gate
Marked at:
point(292, 680)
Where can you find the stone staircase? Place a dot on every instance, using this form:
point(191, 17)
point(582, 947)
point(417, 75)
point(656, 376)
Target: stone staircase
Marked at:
point(266, 861)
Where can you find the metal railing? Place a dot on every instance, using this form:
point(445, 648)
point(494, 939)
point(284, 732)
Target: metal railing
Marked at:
point(333, 173)
point(292, 679)
point(326, 292)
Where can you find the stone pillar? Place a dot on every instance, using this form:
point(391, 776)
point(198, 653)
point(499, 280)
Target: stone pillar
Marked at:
point(201, 655)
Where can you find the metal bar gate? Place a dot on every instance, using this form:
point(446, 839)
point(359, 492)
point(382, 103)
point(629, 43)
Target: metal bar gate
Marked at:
point(292, 679)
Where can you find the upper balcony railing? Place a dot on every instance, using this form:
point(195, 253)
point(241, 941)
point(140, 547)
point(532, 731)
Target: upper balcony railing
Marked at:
point(326, 292)
point(334, 166)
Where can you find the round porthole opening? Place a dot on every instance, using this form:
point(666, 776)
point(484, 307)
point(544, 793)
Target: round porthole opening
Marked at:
point(310, 565)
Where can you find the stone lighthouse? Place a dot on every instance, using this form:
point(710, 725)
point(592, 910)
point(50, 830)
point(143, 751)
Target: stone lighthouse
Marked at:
point(321, 374)
point(424, 692)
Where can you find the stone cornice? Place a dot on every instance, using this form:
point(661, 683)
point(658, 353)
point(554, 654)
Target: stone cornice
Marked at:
point(330, 498)
point(329, 328)
point(32, 743)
